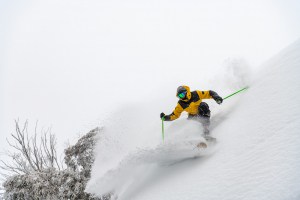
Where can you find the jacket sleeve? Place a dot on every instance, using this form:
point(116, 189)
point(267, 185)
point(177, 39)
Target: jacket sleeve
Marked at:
point(214, 95)
point(208, 94)
point(204, 94)
point(175, 114)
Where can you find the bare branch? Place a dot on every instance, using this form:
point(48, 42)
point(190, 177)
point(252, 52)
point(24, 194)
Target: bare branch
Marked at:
point(31, 155)
point(11, 168)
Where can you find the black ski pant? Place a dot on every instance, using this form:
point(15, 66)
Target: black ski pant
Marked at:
point(203, 115)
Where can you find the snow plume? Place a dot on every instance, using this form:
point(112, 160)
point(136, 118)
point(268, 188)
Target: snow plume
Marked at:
point(130, 147)
point(235, 74)
point(238, 73)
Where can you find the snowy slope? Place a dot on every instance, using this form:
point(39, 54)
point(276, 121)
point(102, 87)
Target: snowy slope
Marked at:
point(257, 155)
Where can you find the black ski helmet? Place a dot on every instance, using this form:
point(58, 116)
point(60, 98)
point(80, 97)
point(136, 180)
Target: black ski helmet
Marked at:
point(180, 90)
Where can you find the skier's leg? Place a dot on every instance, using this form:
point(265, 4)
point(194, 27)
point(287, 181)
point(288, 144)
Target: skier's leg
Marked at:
point(192, 117)
point(204, 116)
point(205, 121)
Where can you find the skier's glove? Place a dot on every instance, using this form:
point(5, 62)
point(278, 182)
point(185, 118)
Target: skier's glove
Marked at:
point(218, 99)
point(165, 117)
point(162, 116)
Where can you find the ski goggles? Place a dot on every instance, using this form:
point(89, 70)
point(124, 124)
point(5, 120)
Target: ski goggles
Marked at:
point(181, 95)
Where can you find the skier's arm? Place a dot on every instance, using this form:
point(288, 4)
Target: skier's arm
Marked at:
point(175, 114)
point(215, 96)
point(210, 94)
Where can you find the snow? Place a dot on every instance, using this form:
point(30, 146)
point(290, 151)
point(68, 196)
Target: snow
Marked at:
point(256, 157)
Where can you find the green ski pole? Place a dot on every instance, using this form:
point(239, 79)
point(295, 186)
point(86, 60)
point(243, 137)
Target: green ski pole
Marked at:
point(235, 92)
point(163, 129)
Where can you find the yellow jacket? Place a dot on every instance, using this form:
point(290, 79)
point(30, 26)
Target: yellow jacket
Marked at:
point(190, 104)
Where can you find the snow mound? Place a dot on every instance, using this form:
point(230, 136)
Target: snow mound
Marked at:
point(257, 156)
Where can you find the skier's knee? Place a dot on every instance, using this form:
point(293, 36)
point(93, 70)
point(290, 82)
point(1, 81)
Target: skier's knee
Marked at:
point(204, 109)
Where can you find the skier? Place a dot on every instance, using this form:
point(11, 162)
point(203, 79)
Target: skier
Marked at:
point(191, 102)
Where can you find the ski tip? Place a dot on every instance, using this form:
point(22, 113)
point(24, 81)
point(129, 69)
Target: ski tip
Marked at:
point(202, 145)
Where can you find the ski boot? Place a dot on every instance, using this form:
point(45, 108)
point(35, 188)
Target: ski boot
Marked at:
point(206, 135)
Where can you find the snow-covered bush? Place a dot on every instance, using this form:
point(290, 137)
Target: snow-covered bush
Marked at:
point(80, 157)
point(37, 185)
point(52, 183)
